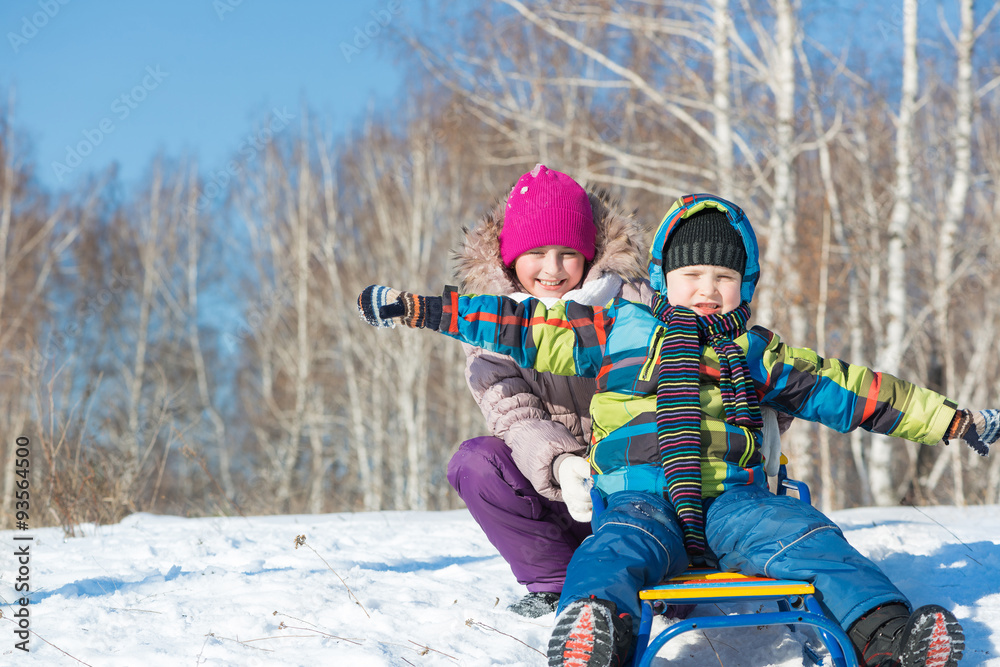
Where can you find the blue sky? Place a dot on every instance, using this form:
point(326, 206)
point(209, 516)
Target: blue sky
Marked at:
point(121, 80)
point(124, 79)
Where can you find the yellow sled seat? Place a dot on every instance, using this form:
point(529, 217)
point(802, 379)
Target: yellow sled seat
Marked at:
point(704, 585)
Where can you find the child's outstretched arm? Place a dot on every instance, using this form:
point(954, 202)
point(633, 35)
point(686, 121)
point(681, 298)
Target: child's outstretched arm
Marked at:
point(845, 396)
point(567, 339)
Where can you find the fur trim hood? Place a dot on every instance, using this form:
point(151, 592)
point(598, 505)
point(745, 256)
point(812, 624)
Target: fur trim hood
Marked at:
point(620, 248)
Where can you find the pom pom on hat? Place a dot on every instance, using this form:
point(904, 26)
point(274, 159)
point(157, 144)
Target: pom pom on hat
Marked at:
point(547, 207)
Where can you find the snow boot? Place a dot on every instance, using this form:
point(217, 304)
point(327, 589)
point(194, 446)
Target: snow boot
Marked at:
point(932, 637)
point(890, 636)
point(590, 633)
point(672, 611)
point(534, 605)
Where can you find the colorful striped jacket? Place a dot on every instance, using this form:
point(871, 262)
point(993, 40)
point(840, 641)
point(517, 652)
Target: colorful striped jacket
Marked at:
point(619, 347)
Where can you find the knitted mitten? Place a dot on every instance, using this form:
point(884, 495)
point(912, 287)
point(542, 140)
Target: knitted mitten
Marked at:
point(978, 429)
point(379, 305)
point(376, 299)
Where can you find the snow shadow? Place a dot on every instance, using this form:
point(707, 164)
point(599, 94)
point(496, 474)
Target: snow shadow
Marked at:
point(101, 586)
point(954, 575)
point(407, 566)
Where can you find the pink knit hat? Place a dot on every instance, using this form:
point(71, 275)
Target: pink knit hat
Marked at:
point(546, 207)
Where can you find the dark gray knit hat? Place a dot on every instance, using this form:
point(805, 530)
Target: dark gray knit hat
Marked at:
point(707, 237)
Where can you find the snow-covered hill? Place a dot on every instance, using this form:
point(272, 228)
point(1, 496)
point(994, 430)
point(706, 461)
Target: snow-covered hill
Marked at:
point(398, 588)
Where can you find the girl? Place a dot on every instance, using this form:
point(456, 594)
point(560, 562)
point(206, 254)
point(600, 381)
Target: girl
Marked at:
point(552, 240)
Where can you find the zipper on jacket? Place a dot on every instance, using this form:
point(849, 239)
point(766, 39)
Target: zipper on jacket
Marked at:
point(654, 349)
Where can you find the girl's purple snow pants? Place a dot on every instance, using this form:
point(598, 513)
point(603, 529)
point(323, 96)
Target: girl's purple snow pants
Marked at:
point(536, 536)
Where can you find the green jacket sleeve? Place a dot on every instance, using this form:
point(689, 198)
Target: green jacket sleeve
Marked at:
point(844, 396)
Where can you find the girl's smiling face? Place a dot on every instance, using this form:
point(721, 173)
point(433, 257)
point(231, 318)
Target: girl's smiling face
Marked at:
point(705, 289)
point(549, 271)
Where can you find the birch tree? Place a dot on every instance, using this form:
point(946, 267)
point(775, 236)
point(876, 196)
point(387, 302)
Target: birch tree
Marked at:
point(35, 235)
point(722, 98)
point(651, 125)
point(833, 232)
point(325, 223)
point(367, 458)
point(277, 201)
point(955, 210)
point(410, 222)
point(778, 264)
point(890, 355)
point(207, 402)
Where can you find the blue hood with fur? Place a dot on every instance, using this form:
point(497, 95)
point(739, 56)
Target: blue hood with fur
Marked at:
point(682, 209)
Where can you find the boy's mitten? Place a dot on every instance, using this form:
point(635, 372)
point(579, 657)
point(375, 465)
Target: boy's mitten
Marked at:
point(379, 305)
point(979, 429)
point(574, 478)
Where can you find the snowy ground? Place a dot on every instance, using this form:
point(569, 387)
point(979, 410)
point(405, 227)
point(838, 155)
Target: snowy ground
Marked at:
point(430, 590)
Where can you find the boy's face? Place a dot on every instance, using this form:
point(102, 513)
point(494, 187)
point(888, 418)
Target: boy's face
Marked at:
point(707, 290)
point(549, 271)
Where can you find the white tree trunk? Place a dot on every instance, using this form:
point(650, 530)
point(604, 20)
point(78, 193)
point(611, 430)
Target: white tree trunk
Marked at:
point(148, 242)
point(318, 457)
point(858, 436)
point(276, 223)
point(194, 340)
point(721, 71)
point(826, 467)
point(778, 270)
point(891, 354)
point(6, 215)
point(369, 475)
point(858, 316)
point(954, 212)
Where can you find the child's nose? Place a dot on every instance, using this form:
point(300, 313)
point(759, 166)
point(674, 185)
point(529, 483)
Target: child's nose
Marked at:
point(553, 262)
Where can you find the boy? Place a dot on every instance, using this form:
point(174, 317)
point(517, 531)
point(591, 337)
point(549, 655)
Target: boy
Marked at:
point(676, 439)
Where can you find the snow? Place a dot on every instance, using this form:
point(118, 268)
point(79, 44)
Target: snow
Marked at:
point(429, 590)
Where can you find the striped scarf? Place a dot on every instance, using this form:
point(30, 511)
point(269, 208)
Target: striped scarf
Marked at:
point(678, 409)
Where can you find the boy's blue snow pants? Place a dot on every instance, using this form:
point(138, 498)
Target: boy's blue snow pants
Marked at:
point(637, 543)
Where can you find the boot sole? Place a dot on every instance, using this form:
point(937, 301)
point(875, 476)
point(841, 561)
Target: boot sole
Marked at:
point(932, 637)
point(582, 637)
